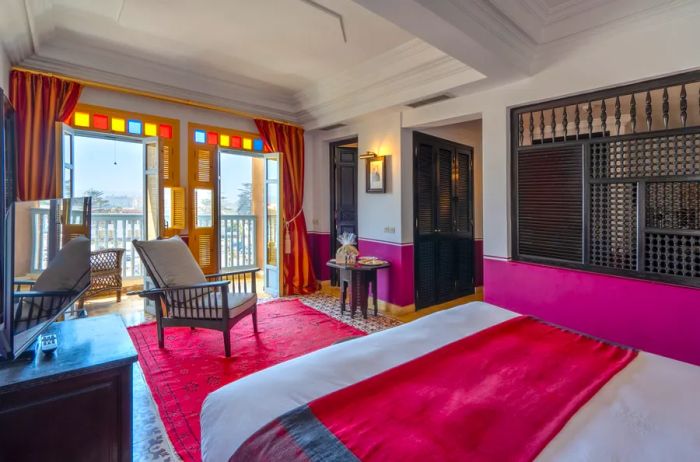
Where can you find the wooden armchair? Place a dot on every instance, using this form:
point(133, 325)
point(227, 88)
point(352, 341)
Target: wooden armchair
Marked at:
point(191, 299)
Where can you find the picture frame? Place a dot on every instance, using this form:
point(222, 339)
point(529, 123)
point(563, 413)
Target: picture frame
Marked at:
point(375, 175)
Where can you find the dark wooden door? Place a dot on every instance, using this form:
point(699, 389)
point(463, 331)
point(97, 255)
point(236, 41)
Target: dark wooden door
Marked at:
point(443, 220)
point(343, 195)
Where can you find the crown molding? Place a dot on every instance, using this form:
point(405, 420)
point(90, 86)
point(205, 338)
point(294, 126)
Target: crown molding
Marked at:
point(211, 94)
point(430, 78)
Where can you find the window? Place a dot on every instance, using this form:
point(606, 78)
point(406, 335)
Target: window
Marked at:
point(610, 181)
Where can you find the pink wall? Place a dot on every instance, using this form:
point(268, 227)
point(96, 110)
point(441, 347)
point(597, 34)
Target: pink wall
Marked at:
point(319, 244)
point(395, 284)
point(655, 317)
point(478, 262)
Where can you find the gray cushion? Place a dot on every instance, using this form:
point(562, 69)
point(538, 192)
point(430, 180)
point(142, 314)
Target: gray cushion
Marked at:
point(238, 304)
point(171, 262)
point(69, 269)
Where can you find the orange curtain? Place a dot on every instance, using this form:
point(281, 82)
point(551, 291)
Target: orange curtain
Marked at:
point(297, 271)
point(40, 101)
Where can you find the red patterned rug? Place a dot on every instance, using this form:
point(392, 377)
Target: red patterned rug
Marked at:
point(193, 363)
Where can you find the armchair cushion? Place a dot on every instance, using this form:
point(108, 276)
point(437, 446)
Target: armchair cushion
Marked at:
point(238, 303)
point(69, 269)
point(171, 262)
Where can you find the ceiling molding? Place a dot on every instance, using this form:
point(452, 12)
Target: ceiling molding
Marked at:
point(434, 77)
point(276, 111)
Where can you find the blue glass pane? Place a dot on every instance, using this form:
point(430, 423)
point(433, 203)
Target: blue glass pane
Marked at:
point(134, 127)
point(200, 136)
point(257, 144)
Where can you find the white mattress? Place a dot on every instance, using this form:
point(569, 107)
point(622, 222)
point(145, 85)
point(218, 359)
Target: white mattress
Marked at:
point(648, 412)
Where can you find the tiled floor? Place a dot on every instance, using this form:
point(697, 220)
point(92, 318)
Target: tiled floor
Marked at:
point(151, 442)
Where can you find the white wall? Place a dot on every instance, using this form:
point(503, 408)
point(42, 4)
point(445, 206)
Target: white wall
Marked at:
point(185, 114)
point(380, 133)
point(4, 71)
point(656, 49)
point(653, 49)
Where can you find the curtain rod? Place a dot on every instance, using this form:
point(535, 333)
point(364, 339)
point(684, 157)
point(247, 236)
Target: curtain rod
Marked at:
point(156, 96)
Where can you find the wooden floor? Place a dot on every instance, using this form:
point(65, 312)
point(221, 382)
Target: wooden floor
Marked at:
point(478, 296)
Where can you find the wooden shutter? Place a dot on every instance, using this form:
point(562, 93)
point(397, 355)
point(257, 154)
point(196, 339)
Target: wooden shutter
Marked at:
point(549, 206)
point(171, 186)
point(444, 189)
point(203, 181)
point(178, 200)
point(153, 184)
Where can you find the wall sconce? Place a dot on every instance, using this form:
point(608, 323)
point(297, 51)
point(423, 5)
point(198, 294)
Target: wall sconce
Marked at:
point(368, 155)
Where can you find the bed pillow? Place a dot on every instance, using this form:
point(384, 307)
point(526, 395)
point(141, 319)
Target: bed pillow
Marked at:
point(171, 262)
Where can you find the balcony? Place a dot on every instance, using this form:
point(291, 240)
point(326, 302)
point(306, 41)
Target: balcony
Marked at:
point(117, 230)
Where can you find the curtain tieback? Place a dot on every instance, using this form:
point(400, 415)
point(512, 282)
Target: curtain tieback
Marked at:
point(287, 237)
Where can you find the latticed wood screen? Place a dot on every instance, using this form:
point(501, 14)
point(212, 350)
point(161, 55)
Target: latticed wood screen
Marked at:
point(610, 181)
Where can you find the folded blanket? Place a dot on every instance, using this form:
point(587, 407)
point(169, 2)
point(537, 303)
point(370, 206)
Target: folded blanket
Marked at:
point(499, 395)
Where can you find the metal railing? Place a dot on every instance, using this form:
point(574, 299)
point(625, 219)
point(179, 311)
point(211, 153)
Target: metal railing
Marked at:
point(117, 230)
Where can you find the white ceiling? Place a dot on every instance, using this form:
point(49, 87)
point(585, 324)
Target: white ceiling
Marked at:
point(288, 59)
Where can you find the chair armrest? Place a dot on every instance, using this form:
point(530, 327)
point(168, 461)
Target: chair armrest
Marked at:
point(153, 293)
point(47, 293)
point(232, 273)
point(24, 282)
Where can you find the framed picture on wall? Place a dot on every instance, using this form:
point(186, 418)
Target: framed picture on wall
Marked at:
point(375, 171)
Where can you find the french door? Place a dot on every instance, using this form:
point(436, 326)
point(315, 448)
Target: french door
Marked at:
point(271, 236)
point(443, 220)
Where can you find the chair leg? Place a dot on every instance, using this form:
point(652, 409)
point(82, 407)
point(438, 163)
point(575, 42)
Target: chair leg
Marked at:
point(161, 337)
point(227, 343)
point(119, 295)
point(255, 319)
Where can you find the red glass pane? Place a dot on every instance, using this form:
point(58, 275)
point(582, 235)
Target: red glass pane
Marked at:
point(212, 138)
point(166, 131)
point(236, 141)
point(99, 121)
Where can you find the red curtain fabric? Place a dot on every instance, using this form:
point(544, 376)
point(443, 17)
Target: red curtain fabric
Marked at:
point(298, 276)
point(40, 101)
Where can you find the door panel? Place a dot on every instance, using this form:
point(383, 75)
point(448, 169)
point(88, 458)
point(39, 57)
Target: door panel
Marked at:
point(443, 220)
point(272, 224)
point(343, 196)
point(65, 138)
point(203, 183)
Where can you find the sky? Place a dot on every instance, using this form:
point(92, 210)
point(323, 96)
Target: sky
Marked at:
point(95, 169)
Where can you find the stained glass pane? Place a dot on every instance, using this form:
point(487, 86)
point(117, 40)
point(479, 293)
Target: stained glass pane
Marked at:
point(235, 141)
point(212, 138)
point(225, 141)
point(258, 144)
point(166, 131)
point(118, 125)
point(247, 143)
point(101, 122)
point(200, 136)
point(81, 119)
point(150, 130)
point(135, 127)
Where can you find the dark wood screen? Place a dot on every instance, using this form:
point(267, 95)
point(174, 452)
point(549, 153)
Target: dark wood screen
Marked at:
point(443, 233)
point(610, 181)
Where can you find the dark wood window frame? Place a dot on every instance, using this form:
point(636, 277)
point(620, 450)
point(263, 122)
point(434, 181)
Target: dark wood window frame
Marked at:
point(645, 192)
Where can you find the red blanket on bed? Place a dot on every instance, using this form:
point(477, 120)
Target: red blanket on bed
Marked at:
point(501, 394)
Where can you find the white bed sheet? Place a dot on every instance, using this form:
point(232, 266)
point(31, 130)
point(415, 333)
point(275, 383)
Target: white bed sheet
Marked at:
point(648, 412)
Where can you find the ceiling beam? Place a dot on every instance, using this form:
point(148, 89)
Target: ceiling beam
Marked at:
point(471, 31)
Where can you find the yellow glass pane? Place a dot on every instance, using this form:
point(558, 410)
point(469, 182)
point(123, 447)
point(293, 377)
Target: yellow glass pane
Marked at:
point(224, 140)
point(81, 119)
point(118, 125)
point(247, 143)
point(150, 129)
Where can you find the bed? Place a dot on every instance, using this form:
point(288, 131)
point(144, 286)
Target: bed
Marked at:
point(648, 411)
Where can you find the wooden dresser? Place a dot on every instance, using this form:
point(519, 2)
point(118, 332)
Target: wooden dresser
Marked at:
point(75, 405)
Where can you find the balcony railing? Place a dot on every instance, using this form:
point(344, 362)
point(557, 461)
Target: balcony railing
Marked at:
point(238, 241)
point(117, 230)
point(108, 231)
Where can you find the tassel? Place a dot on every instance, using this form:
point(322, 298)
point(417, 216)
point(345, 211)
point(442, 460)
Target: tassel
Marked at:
point(287, 242)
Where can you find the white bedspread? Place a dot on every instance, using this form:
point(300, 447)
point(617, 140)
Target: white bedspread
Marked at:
point(648, 412)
